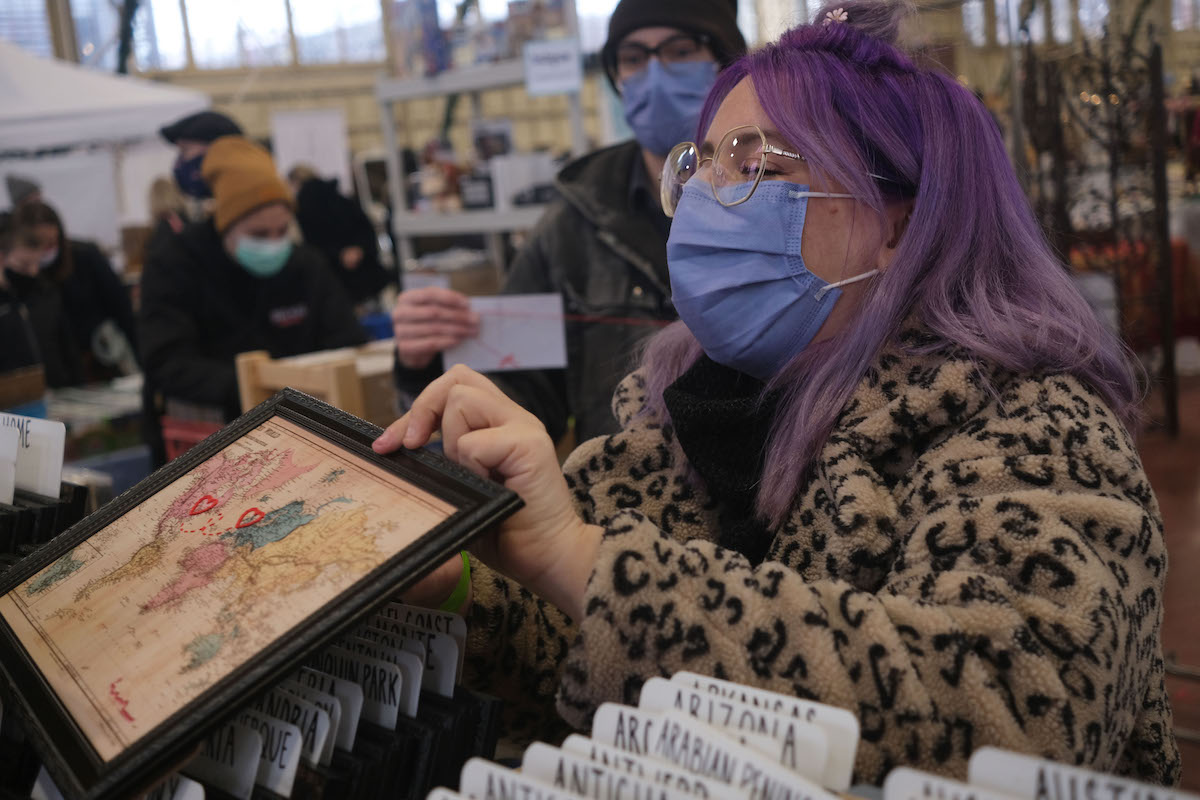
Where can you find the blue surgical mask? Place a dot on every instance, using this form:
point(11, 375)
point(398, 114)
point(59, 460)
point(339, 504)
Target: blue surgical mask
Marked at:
point(738, 280)
point(191, 182)
point(263, 258)
point(663, 104)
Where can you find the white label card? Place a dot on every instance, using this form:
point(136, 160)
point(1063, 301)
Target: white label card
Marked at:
point(329, 704)
point(675, 737)
point(312, 721)
point(40, 446)
point(409, 664)
point(554, 66)
point(906, 783)
point(380, 682)
point(432, 620)
point(516, 331)
point(441, 654)
point(44, 787)
point(279, 758)
point(483, 780)
point(1037, 779)
point(581, 776)
point(840, 725)
point(348, 693)
point(444, 794)
point(797, 745)
point(652, 769)
point(8, 481)
point(228, 760)
point(176, 787)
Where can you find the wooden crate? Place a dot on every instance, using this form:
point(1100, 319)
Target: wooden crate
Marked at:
point(357, 380)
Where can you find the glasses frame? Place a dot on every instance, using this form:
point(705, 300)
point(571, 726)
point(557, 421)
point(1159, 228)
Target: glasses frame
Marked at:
point(679, 149)
point(699, 39)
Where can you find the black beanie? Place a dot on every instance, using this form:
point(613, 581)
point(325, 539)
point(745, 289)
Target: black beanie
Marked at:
point(716, 19)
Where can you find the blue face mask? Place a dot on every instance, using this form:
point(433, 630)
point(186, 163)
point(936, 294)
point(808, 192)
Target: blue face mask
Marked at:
point(738, 280)
point(187, 175)
point(263, 258)
point(663, 104)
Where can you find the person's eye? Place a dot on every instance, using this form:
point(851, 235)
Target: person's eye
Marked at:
point(681, 51)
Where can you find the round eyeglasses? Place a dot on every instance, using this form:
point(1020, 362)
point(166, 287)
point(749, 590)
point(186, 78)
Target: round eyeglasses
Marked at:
point(734, 170)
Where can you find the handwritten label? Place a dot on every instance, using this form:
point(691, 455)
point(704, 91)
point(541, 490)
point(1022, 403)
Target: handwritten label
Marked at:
point(327, 703)
point(441, 654)
point(840, 725)
point(409, 664)
point(516, 331)
point(483, 780)
point(675, 737)
point(795, 744)
point(1037, 779)
point(348, 693)
point(177, 787)
point(553, 67)
point(228, 760)
point(452, 625)
point(581, 776)
point(279, 759)
point(311, 720)
point(651, 769)
point(906, 783)
point(380, 682)
point(40, 445)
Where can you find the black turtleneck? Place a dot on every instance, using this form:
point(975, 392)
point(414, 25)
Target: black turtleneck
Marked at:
point(722, 422)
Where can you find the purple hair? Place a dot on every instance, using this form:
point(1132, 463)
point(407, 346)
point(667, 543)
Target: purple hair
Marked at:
point(972, 263)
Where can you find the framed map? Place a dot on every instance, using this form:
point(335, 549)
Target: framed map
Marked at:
point(158, 617)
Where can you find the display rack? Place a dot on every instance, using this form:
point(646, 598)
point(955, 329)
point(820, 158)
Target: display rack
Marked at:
point(471, 81)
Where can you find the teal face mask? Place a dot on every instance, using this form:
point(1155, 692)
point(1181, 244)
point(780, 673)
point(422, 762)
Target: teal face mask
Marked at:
point(263, 258)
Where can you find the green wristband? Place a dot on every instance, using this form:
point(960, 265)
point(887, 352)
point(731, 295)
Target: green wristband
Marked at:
point(458, 598)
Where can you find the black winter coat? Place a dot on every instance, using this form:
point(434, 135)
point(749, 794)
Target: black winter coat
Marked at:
point(609, 261)
point(331, 223)
point(200, 309)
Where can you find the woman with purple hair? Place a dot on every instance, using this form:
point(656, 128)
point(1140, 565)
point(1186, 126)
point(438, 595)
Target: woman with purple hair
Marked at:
point(883, 461)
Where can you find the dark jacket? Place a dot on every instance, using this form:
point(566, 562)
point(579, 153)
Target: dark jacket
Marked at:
point(19, 347)
point(56, 341)
point(93, 292)
point(200, 309)
point(602, 247)
point(331, 223)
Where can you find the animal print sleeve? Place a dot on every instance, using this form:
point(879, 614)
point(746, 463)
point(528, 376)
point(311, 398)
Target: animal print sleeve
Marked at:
point(1000, 624)
point(516, 645)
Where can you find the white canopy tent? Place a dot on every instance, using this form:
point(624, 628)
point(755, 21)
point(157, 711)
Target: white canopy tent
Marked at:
point(102, 130)
point(46, 104)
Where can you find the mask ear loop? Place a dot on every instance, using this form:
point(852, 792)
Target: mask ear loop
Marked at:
point(824, 289)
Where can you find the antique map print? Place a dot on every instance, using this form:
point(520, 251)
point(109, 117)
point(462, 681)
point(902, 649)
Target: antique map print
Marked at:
point(158, 606)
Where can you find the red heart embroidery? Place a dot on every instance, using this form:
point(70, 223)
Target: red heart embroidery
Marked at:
point(249, 517)
point(206, 503)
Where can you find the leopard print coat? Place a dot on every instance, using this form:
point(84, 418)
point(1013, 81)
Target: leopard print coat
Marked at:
point(976, 560)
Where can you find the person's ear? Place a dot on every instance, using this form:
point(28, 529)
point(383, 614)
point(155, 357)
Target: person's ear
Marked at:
point(897, 219)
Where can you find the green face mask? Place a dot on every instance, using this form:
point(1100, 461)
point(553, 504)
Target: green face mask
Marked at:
point(263, 258)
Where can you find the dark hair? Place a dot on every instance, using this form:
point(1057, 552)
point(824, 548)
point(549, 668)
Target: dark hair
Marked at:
point(11, 236)
point(973, 264)
point(28, 217)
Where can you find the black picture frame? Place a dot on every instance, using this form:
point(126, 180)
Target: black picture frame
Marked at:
point(72, 761)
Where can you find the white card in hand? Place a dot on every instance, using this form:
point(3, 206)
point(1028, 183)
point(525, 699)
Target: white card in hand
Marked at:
point(40, 445)
point(516, 331)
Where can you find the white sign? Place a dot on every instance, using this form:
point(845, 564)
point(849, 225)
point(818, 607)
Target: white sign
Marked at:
point(906, 783)
point(516, 331)
point(279, 759)
point(553, 67)
point(581, 776)
point(316, 138)
point(441, 653)
point(349, 695)
point(482, 779)
point(329, 704)
point(797, 745)
point(652, 769)
point(1037, 779)
point(432, 620)
point(313, 722)
point(40, 446)
point(840, 725)
point(8, 464)
point(229, 760)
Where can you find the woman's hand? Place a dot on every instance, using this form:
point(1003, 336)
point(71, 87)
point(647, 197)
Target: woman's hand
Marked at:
point(427, 321)
point(545, 546)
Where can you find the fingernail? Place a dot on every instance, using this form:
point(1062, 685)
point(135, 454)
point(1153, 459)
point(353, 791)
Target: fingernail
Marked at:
point(411, 440)
point(383, 443)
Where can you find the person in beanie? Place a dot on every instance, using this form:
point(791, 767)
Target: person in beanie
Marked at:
point(192, 136)
point(236, 283)
point(22, 190)
point(602, 245)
